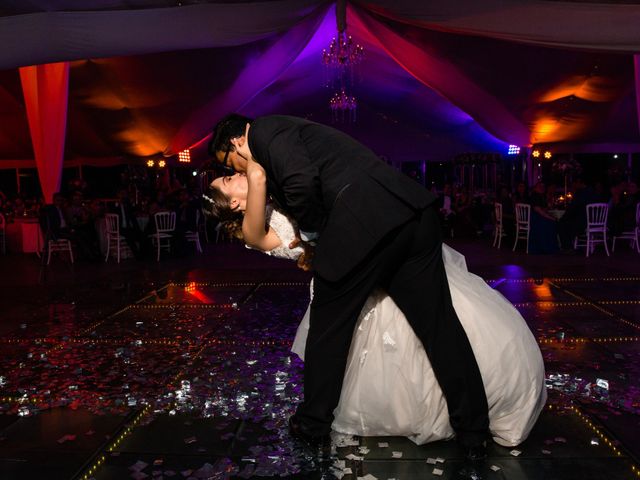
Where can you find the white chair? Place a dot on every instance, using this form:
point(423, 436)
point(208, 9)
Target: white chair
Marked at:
point(60, 245)
point(165, 226)
point(632, 235)
point(3, 234)
point(499, 230)
point(114, 239)
point(190, 236)
point(523, 224)
point(596, 231)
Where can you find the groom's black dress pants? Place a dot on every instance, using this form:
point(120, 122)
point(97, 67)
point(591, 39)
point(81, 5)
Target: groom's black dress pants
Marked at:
point(408, 265)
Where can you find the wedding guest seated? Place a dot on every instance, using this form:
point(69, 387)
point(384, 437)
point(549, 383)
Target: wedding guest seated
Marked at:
point(81, 220)
point(129, 228)
point(445, 202)
point(464, 224)
point(186, 218)
point(601, 194)
point(155, 205)
point(617, 208)
point(521, 193)
point(551, 195)
point(508, 214)
point(19, 207)
point(543, 237)
point(56, 225)
point(481, 212)
point(574, 220)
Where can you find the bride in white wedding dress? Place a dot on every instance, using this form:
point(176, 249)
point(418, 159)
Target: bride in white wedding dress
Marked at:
point(389, 388)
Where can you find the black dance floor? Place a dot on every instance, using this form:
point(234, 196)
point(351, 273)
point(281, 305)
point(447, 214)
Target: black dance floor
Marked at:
point(182, 370)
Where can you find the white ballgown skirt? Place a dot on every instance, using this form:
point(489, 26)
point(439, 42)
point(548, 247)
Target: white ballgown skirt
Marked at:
point(389, 386)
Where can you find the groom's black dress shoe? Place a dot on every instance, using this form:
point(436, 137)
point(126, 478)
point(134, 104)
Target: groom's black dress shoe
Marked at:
point(474, 462)
point(469, 472)
point(477, 453)
point(317, 445)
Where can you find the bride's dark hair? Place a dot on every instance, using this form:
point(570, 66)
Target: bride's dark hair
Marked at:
point(216, 204)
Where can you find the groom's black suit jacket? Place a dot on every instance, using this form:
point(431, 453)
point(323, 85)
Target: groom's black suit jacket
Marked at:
point(331, 184)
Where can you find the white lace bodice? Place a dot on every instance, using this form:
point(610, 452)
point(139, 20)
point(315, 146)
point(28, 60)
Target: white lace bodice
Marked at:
point(286, 229)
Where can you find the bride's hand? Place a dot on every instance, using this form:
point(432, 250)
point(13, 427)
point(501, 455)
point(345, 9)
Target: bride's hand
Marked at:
point(305, 260)
point(255, 172)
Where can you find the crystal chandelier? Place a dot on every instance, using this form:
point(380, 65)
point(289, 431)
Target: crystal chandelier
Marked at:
point(343, 52)
point(343, 106)
point(339, 59)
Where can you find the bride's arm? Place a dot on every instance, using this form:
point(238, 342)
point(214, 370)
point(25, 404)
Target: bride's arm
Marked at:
point(254, 230)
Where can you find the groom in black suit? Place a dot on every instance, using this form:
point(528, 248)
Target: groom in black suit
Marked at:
point(369, 226)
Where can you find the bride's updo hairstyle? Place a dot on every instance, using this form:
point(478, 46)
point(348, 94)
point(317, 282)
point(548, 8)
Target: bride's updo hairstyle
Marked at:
point(216, 204)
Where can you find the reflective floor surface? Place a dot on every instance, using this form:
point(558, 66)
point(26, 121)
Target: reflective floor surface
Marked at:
point(181, 369)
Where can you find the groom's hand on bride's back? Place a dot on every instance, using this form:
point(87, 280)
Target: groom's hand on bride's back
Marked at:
point(305, 260)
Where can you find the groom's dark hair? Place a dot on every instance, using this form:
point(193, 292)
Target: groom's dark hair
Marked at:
point(231, 126)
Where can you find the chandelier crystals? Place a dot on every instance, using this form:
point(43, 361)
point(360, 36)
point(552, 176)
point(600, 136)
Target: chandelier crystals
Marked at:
point(343, 106)
point(343, 52)
point(339, 59)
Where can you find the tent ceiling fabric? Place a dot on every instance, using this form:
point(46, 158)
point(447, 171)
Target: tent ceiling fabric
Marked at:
point(605, 26)
point(434, 82)
point(73, 35)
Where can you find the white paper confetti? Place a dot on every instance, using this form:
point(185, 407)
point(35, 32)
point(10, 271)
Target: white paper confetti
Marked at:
point(515, 453)
point(351, 456)
point(396, 454)
point(368, 476)
point(139, 465)
point(437, 471)
point(342, 440)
